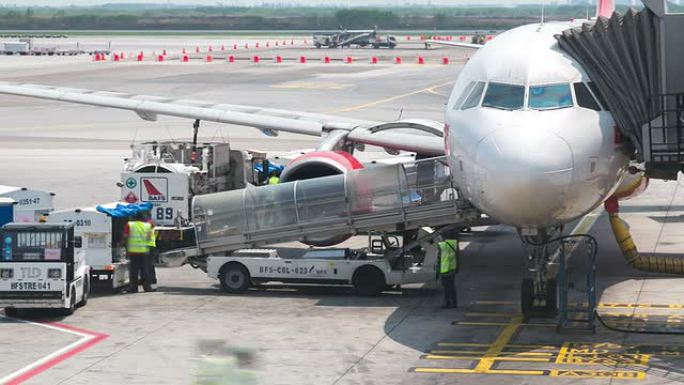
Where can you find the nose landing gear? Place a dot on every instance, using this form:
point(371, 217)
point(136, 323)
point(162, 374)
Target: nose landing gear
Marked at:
point(544, 293)
point(538, 292)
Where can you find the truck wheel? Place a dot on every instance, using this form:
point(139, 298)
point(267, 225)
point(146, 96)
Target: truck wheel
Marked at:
point(369, 281)
point(234, 278)
point(72, 303)
point(86, 292)
point(11, 312)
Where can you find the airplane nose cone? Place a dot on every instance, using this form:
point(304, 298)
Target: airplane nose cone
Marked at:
point(524, 176)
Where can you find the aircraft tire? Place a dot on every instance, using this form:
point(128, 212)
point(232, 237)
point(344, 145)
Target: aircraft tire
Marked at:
point(551, 296)
point(527, 295)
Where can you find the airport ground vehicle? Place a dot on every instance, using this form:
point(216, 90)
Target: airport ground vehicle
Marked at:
point(42, 266)
point(101, 230)
point(31, 204)
point(391, 203)
point(359, 38)
point(369, 270)
point(169, 174)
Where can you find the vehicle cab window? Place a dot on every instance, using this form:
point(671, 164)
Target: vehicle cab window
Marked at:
point(504, 96)
point(473, 99)
point(550, 96)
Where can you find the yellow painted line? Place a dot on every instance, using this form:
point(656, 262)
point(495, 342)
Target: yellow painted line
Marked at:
point(481, 352)
point(472, 358)
point(618, 374)
point(393, 98)
point(464, 323)
point(508, 346)
point(507, 315)
point(609, 305)
point(563, 353)
point(498, 345)
point(495, 303)
point(472, 371)
point(639, 306)
point(312, 86)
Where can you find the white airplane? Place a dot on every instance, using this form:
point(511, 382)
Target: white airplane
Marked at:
point(527, 137)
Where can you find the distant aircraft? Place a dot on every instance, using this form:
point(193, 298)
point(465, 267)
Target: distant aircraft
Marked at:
point(528, 139)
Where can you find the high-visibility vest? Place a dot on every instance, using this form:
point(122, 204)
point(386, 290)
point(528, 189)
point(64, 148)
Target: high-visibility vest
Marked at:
point(138, 237)
point(273, 180)
point(152, 240)
point(448, 253)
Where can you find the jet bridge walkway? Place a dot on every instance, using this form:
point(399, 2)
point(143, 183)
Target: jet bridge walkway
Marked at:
point(327, 210)
point(637, 64)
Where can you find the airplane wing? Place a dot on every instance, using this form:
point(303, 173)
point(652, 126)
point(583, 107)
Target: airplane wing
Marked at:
point(421, 136)
point(454, 44)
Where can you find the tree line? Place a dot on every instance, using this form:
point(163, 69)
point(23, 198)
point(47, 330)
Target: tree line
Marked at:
point(235, 18)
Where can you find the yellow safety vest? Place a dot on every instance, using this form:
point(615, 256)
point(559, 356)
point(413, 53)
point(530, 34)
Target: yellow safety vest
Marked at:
point(448, 253)
point(273, 180)
point(138, 237)
point(152, 240)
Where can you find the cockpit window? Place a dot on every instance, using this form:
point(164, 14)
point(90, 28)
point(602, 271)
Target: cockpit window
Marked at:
point(464, 95)
point(473, 99)
point(504, 96)
point(584, 98)
point(550, 96)
point(598, 94)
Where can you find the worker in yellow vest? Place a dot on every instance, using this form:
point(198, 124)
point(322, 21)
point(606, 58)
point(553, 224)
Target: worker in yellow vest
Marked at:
point(152, 255)
point(273, 178)
point(137, 237)
point(448, 267)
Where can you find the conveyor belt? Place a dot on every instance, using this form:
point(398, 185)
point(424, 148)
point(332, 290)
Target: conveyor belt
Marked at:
point(381, 198)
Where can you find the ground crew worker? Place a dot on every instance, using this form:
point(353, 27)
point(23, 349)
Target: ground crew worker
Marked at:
point(152, 255)
point(274, 178)
point(137, 237)
point(448, 267)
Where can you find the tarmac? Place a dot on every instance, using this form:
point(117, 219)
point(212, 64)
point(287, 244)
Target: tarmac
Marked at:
point(189, 329)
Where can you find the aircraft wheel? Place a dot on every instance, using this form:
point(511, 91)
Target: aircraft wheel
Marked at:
point(527, 295)
point(234, 278)
point(551, 296)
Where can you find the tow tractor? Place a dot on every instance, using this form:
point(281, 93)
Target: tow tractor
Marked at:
point(384, 264)
point(42, 266)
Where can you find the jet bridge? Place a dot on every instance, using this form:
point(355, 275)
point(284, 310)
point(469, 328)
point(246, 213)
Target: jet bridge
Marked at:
point(378, 198)
point(636, 61)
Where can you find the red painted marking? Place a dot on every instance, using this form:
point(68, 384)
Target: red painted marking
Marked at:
point(98, 337)
point(151, 190)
